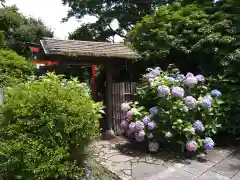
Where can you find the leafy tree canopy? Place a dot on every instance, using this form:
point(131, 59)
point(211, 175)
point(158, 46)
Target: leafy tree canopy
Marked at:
point(18, 28)
point(186, 36)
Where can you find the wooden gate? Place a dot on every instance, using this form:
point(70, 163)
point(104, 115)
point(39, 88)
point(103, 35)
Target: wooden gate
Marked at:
point(122, 92)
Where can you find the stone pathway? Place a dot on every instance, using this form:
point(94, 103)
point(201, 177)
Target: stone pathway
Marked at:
point(220, 164)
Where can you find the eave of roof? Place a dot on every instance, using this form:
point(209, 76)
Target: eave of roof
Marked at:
point(76, 48)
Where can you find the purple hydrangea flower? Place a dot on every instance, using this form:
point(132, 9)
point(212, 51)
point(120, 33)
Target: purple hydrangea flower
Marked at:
point(151, 125)
point(153, 73)
point(124, 125)
point(190, 102)
point(180, 76)
point(154, 111)
point(150, 135)
point(170, 79)
point(163, 91)
point(139, 125)
point(208, 143)
point(168, 134)
point(191, 146)
point(138, 137)
point(190, 81)
point(156, 72)
point(178, 92)
point(132, 126)
point(216, 93)
point(206, 103)
point(146, 120)
point(198, 125)
point(141, 133)
point(189, 75)
point(200, 78)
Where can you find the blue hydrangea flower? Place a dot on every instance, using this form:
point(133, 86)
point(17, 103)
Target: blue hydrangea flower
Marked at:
point(151, 125)
point(209, 97)
point(216, 93)
point(198, 125)
point(88, 172)
point(209, 143)
point(146, 120)
point(170, 79)
point(139, 125)
point(180, 77)
point(163, 91)
point(178, 92)
point(154, 111)
point(190, 102)
point(190, 81)
point(200, 78)
point(206, 103)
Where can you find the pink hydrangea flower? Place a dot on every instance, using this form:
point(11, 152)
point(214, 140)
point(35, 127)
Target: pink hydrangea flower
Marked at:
point(129, 115)
point(125, 107)
point(191, 146)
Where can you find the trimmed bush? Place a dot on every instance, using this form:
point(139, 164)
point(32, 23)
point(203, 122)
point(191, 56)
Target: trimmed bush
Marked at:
point(174, 108)
point(46, 125)
point(14, 68)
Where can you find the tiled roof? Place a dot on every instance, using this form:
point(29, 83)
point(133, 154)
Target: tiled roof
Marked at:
point(87, 48)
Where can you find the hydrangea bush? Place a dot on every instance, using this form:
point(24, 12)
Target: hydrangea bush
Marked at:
point(173, 108)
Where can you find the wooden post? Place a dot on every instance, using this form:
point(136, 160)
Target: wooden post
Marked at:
point(109, 96)
point(109, 133)
point(94, 85)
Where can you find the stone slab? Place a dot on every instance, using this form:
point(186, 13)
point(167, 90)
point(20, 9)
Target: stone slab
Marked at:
point(229, 167)
point(120, 158)
point(197, 168)
point(218, 155)
point(143, 171)
point(236, 177)
point(179, 175)
point(209, 175)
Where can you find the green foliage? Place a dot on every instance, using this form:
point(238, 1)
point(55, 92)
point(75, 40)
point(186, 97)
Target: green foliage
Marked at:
point(13, 68)
point(186, 36)
point(175, 119)
point(46, 126)
point(19, 29)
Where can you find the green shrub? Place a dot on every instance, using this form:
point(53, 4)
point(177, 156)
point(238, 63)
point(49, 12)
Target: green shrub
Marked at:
point(46, 125)
point(176, 109)
point(14, 68)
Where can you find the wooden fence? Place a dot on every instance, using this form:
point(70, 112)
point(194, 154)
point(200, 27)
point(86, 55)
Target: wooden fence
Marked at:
point(122, 92)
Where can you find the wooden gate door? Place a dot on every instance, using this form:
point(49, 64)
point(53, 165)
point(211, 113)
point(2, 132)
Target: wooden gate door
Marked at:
point(122, 92)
